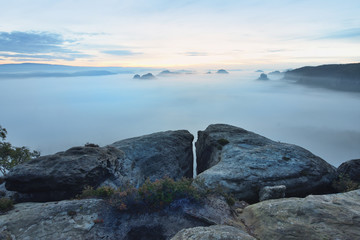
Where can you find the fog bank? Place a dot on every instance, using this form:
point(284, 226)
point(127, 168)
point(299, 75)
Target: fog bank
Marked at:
point(53, 114)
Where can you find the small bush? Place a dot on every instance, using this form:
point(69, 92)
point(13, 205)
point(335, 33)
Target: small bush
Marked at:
point(223, 141)
point(345, 184)
point(154, 195)
point(6, 204)
point(229, 199)
point(100, 192)
point(91, 145)
point(150, 196)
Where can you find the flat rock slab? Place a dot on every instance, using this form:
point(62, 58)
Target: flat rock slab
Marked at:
point(53, 220)
point(216, 232)
point(333, 216)
point(241, 162)
point(93, 219)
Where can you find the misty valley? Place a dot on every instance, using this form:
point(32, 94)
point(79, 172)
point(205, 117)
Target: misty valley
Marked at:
point(51, 114)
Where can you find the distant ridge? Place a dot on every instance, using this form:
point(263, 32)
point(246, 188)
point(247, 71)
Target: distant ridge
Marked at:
point(29, 70)
point(56, 74)
point(345, 77)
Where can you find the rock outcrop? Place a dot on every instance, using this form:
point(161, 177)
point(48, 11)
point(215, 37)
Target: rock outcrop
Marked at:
point(148, 76)
point(334, 216)
point(241, 162)
point(222, 71)
point(64, 174)
point(145, 76)
point(155, 156)
point(96, 219)
point(137, 76)
point(345, 77)
point(350, 170)
point(167, 73)
point(217, 232)
point(263, 76)
point(275, 73)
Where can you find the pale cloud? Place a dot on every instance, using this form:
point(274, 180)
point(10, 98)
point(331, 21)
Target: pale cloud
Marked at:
point(37, 46)
point(31, 42)
point(179, 33)
point(353, 33)
point(196, 54)
point(121, 52)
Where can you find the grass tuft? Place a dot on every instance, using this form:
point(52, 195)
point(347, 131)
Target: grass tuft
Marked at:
point(6, 204)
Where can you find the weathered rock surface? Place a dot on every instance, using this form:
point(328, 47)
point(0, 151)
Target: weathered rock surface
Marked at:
point(53, 220)
point(350, 169)
point(214, 210)
point(334, 216)
point(216, 232)
point(155, 156)
point(96, 219)
point(272, 192)
point(64, 174)
point(242, 162)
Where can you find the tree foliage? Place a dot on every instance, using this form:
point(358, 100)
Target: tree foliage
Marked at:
point(11, 156)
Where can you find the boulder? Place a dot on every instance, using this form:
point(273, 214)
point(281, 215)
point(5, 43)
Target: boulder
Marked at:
point(64, 174)
point(241, 162)
point(155, 156)
point(350, 170)
point(216, 232)
point(272, 192)
point(334, 216)
point(96, 219)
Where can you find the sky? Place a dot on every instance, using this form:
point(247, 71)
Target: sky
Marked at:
point(232, 34)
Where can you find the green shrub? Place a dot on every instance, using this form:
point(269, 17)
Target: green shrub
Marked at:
point(162, 192)
point(230, 200)
point(344, 184)
point(11, 156)
point(223, 141)
point(91, 145)
point(6, 204)
point(100, 192)
point(150, 196)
